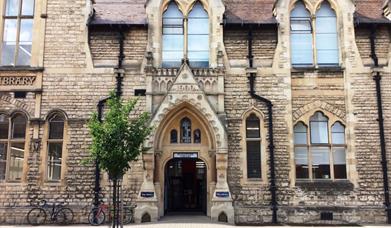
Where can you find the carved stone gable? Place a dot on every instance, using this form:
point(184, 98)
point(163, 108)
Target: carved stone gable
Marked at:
point(185, 83)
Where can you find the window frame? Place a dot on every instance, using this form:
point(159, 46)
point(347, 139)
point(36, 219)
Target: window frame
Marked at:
point(314, 47)
point(332, 120)
point(48, 141)
point(245, 180)
point(19, 17)
point(166, 64)
point(9, 141)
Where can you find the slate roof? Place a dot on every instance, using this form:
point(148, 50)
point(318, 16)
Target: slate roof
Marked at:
point(132, 12)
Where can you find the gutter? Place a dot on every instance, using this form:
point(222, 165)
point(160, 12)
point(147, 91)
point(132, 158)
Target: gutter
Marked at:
point(269, 104)
point(377, 79)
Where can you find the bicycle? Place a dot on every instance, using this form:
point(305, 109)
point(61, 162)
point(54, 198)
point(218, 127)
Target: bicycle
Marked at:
point(97, 215)
point(58, 214)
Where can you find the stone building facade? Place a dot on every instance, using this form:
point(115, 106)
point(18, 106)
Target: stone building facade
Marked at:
point(263, 111)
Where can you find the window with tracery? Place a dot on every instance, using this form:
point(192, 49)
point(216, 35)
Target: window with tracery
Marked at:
point(314, 38)
point(322, 153)
point(185, 38)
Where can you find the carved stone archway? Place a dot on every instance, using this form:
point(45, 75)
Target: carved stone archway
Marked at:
point(185, 92)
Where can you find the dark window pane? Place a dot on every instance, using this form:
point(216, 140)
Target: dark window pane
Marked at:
point(253, 127)
point(174, 136)
point(320, 162)
point(54, 161)
point(28, 8)
point(16, 161)
point(185, 130)
point(18, 127)
point(56, 130)
point(4, 127)
point(254, 159)
point(3, 160)
point(301, 160)
point(12, 8)
point(340, 163)
point(197, 136)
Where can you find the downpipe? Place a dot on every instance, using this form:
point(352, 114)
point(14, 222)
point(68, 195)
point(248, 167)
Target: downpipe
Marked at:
point(269, 104)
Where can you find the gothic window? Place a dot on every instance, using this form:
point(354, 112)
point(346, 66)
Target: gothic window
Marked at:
point(55, 146)
point(185, 130)
point(197, 136)
point(198, 36)
point(173, 36)
point(326, 36)
point(309, 32)
point(185, 38)
point(17, 32)
point(12, 146)
point(174, 136)
point(322, 154)
point(301, 36)
point(253, 146)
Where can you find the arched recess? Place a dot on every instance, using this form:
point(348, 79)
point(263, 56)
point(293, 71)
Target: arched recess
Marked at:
point(321, 105)
point(185, 8)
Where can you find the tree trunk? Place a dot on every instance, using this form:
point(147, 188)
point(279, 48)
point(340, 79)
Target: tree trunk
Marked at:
point(115, 220)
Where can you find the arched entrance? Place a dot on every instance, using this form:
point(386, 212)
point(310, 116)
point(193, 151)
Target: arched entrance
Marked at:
point(185, 184)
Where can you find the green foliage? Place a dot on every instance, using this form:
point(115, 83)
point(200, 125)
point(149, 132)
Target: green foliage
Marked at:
point(118, 139)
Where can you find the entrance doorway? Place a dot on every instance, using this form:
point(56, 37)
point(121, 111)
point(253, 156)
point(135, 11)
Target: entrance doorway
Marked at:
point(185, 186)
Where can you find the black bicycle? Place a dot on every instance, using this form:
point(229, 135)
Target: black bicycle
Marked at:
point(58, 214)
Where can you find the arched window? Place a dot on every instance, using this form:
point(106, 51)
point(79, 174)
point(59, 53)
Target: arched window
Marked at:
point(301, 36)
point(339, 150)
point(173, 36)
point(185, 130)
point(55, 146)
point(301, 150)
point(174, 136)
point(320, 156)
point(185, 38)
point(253, 146)
point(314, 31)
point(12, 146)
point(198, 36)
point(197, 136)
point(326, 35)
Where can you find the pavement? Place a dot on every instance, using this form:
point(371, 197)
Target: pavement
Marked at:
point(181, 221)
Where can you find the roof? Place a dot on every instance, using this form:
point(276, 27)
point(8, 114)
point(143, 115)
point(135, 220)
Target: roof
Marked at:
point(249, 12)
point(119, 12)
point(371, 12)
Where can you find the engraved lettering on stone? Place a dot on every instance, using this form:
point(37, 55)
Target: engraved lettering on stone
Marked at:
point(17, 80)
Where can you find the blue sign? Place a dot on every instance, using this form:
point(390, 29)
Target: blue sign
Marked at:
point(185, 155)
point(222, 194)
point(147, 194)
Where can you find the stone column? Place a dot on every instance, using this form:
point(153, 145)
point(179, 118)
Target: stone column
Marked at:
point(222, 199)
point(147, 199)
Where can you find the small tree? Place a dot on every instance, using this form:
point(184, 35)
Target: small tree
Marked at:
point(117, 141)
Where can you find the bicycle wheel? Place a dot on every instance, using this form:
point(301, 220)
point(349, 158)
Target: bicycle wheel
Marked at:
point(36, 216)
point(128, 216)
point(96, 217)
point(64, 216)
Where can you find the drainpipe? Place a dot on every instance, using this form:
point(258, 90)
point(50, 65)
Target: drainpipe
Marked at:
point(269, 104)
point(377, 79)
point(100, 107)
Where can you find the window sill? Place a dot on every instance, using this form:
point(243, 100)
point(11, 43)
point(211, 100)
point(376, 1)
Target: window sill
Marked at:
point(325, 185)
point(298, 69)
point(21, 68)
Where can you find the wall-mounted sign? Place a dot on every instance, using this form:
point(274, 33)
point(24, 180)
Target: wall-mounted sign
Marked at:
point(147, 194)
point(17, 80)
point(185, 155)
point(222, 194)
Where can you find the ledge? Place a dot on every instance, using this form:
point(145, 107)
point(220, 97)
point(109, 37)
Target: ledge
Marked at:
point(317, 69)
point(21, 68)
point(325, 185)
